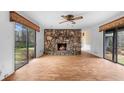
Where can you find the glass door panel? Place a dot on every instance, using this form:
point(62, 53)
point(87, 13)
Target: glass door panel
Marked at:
point(108, 46)
point(31, 43)
point(20, 46)
point(120, 46)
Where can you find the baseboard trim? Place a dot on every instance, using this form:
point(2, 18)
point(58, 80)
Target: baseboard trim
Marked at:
point(8, 76)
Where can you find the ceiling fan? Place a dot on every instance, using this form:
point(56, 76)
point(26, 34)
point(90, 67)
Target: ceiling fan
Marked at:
point(70, 18)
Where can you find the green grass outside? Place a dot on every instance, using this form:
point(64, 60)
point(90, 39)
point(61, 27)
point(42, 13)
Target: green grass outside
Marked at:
point(121, 59)
point(21, 53)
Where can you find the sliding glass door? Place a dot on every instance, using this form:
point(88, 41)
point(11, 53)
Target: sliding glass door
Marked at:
point(24, 45)
point(114, 45)
point(120, 46)
point(20, 46)
point(108, 46)
point(31, 44)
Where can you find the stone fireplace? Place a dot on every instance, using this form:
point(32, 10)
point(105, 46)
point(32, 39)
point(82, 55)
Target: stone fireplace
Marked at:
point(62, 41)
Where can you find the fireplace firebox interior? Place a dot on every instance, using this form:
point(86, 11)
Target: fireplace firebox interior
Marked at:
point(61, 46)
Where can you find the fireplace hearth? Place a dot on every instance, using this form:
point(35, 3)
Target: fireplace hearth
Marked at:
point(61, 46)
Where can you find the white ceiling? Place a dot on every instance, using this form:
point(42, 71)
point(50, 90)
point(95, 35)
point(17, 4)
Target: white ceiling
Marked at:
point(51, 19)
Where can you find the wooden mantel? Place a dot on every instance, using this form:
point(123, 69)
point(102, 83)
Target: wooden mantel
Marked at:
point(15, 17)
point(114, 24)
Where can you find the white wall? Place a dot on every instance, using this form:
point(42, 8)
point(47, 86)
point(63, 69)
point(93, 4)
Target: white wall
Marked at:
point(40, 43)
point(96, 42)
point(7, 44)
point(94, 39)
point(85, 40)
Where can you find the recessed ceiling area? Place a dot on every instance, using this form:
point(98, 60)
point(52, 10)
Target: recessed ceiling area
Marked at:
point(51, 19)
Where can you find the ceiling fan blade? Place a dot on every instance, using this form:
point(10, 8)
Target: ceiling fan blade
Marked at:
point(65, 17)
point(77, 18)
point(63, 21)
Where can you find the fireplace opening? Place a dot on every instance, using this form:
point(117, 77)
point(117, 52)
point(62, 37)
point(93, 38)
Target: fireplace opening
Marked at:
point(61, 46)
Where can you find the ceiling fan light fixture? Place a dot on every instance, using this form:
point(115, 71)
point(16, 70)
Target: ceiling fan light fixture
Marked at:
point(70, 18)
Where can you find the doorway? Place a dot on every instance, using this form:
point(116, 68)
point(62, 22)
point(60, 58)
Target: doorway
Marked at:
point(120, 46)
point(114, 45)
point(108, 45)
point(25, 39)
point(31, 44)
